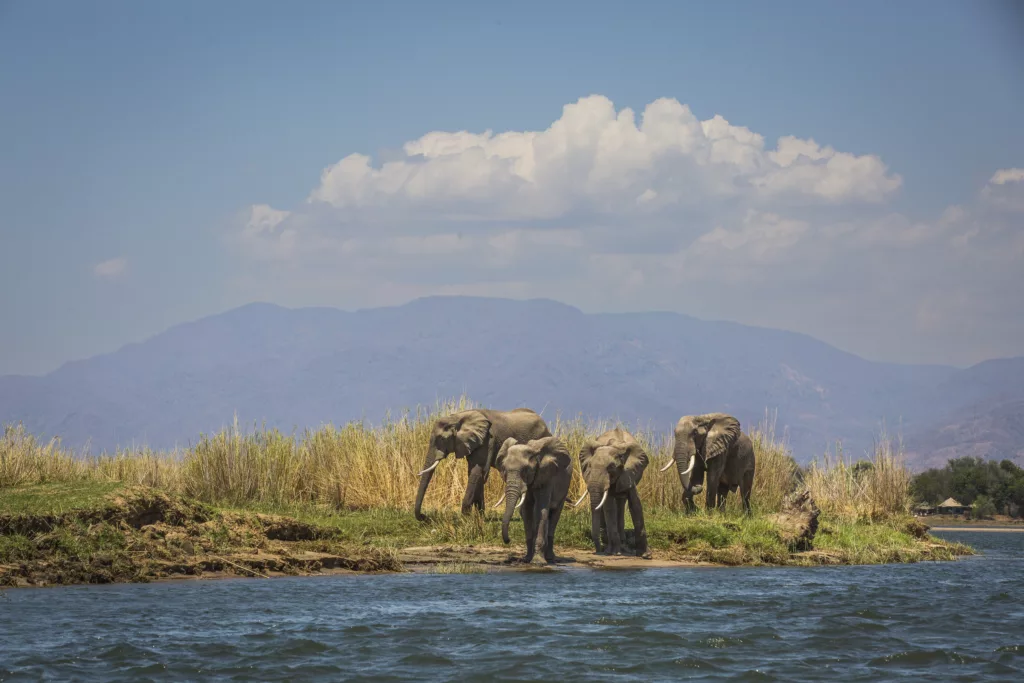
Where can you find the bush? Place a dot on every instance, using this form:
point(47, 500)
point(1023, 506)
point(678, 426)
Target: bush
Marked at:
point(983, 508)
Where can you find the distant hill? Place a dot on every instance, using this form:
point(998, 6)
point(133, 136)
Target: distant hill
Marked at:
point(302, 367)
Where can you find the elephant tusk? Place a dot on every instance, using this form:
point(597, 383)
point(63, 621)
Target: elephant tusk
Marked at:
point(603, 498)
point(429, 469)
point(499, 501)
point(667, 465)
point(577, 503)
point(521, 499)
point(693, 461)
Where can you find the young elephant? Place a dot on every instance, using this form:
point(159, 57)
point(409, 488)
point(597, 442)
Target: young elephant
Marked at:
point(612, 466)
point(537, 475)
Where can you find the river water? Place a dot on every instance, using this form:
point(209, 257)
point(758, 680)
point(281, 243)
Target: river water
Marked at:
point(960, 620)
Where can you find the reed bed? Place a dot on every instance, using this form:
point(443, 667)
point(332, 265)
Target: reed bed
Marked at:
point(357, 466)
point(873, 488)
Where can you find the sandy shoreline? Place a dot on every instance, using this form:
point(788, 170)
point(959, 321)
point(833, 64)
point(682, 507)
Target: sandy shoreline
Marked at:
point(994, 529)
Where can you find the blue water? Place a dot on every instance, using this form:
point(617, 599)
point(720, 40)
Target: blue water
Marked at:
point(932, 621)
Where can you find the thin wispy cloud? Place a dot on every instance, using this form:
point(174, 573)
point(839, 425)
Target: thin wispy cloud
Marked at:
point(110, 269)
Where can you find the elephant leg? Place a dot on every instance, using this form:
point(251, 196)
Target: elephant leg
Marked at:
point(478, 500)
point(529, 526)
point(611, 520)
point(474, 495)
point(714, 483)
point(549, 549)
point(543, 528)
point(723, 494)
point(636, 512)
point(746, 486)
point(620, 502)
point(596, 530)
point(542, 513)
point(688, 503)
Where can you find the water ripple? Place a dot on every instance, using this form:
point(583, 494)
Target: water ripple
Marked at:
point(942, 621)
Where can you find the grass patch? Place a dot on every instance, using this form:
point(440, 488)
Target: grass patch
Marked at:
point(262, 498)
point(56, 498)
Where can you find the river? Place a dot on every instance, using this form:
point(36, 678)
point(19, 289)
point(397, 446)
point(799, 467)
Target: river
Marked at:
point(948, 621)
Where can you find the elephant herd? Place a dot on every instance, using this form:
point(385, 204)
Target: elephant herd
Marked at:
point(537, 469)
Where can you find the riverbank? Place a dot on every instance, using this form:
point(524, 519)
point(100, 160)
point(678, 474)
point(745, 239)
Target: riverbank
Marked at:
point(89, 532)
point(999, 521)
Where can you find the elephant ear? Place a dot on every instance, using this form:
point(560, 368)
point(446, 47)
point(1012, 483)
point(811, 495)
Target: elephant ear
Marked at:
point(473, 429)
point(553, 455)
point(589, 446)
point(723, 431)
point(636, 463)
point(503, 451)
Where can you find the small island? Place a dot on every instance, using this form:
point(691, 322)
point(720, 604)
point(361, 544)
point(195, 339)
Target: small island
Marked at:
point(333, 500)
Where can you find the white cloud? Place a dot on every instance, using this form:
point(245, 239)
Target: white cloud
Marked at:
point(1007, 175)
point(594, 157)
point(110, 269)
point(611, 211)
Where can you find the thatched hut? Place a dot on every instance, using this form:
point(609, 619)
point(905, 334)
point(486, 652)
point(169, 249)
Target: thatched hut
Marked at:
point(951, 507)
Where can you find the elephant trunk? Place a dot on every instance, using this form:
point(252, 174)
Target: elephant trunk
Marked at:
point(598, 496)
point(685, 457)
point(426, 474)
point(513, 490)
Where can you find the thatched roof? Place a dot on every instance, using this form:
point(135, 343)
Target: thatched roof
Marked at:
point(949, 503)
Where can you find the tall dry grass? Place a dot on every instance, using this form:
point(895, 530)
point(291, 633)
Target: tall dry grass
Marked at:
point(358, 466)
point(875, 487)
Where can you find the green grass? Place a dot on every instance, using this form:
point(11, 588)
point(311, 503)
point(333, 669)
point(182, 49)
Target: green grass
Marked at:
point(55, 499)
point(93, 547)
point(716, 537)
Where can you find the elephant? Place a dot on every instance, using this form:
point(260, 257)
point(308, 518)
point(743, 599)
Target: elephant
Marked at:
point(713, 444)
point(475, 435)
point(612, 465)
point(537, 475)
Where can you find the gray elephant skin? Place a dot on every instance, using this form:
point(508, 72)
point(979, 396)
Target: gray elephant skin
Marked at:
point(476, 435)
point(612, 466)
point(713, 445)
point(537, 475)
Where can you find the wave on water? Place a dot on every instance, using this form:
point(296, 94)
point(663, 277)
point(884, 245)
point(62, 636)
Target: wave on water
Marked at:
point(851, 623)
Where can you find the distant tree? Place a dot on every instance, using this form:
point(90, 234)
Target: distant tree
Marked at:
point(969, 479)
point(983, 508)
point(932, 486)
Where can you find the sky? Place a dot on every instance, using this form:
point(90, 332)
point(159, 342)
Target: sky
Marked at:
point(852, 171)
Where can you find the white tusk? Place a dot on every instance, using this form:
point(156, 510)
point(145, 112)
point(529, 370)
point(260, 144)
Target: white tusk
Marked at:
point(577, 503)
point(693, 460)
point(603, 498)
point(499, 501)
point(429, 469)
point(521, 499)
point(667, 465)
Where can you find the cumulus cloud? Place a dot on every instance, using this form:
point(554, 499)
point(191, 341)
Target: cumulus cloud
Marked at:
point(609, 210)
point(110, 269)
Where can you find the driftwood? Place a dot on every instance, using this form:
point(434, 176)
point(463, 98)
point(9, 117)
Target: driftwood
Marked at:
point(798, 521)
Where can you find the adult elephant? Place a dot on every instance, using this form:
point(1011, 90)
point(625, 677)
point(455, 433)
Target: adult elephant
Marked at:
point(537, 476)
point(612, 465)
point(476, 435)
point(714, 446)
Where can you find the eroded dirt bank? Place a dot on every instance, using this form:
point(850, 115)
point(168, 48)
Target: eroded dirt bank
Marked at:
point(141, 535)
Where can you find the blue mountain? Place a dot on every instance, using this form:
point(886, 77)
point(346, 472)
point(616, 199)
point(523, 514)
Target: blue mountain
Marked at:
point(297, 368)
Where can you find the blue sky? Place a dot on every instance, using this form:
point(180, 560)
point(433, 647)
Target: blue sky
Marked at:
point(135, 137)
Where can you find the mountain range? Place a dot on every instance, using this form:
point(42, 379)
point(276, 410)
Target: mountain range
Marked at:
point(297, 368)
